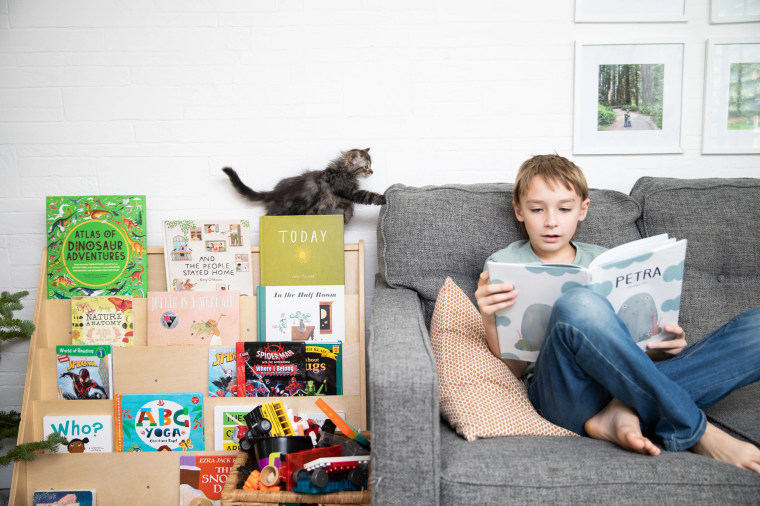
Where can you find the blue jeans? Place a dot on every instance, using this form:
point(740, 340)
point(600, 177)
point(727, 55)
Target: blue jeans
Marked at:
point(588, 358)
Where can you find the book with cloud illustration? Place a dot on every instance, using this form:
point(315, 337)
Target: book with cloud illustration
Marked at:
point(641, 279)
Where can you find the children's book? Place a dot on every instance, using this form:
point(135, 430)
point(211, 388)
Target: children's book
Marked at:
point(102, 320)
point(84, 371)
point(324, 369)
point(83, 433)
point(301, 250)
point(158, 422)
point(193, 318)
point(226, 421)
point(301, 313)
point(641, 279)
point(203, 477)
point(96, 246)
point(289, 369)
point(57, 497)
point(270, 369)
point(222, 371)
point(208, 255)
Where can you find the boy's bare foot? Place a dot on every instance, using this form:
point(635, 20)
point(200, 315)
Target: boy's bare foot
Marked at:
point(721, 446)
point(619, 424)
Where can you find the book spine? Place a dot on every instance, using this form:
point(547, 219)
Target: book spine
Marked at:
point(261, 313)
point(118, 431)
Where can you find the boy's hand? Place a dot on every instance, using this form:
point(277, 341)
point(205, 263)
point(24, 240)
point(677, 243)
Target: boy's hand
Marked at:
point(493, 297)
point(667, 349)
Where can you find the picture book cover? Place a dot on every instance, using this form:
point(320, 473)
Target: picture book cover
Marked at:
point(641, 279)
point(206, 255)
point(193, 318)
point(96, 246)
point(222, 371)
point(324, 369)
point(301, 313)
point(83, 433)
point(270, 369)
point(158, 422)
point(226, 421)
point(301, 250)
point(85, 371)
point(289, 369)
point(57, 497)
point(102, 320)
point(203, 477)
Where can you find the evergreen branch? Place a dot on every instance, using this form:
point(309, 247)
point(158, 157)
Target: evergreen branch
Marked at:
point(25, 451)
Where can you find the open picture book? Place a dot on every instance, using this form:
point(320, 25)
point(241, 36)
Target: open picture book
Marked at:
point(642, 280)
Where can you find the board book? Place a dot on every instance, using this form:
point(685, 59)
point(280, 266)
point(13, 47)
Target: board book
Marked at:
point(84, 433)
point(96, 245)
point(222, 371)
point(202, 477)
point(84, 371)
point(102, 320)
point(73, 497)
point(170, 421)
point(641, 279)
point(226, 421)
point(301, 313)
point(301, 250)
point(289, 369)
point(208, 254)
point(193, 318)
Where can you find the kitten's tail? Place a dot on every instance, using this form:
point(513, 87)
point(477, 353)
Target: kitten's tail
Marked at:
point(244, 190)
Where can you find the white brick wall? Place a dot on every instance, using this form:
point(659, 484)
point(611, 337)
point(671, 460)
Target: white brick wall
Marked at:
point(138, 96)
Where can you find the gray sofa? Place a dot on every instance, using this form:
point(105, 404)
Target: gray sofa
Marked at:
point(428, 233)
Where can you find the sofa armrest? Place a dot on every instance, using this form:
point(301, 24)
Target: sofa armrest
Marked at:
point(403, 396)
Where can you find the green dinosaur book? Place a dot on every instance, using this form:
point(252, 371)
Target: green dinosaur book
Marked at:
point(301, 250)
point(96, 246)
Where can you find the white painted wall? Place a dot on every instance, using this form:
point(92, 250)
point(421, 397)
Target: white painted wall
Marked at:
point(154, 97)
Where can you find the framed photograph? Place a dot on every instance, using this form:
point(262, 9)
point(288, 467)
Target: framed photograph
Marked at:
point(732, 96)
point(620, 11)
point(734, 11)
point(628, 98)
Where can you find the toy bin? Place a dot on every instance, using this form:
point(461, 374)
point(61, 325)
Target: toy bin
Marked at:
point(232, 496)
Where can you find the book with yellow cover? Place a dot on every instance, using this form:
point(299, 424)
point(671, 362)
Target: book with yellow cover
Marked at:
point(301, 250)
point(102, 320)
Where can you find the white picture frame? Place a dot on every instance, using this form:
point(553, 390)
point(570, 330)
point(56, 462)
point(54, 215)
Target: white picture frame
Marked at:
point(654, 77)
point(734, 11)
point(731, 112)
point(627, 11)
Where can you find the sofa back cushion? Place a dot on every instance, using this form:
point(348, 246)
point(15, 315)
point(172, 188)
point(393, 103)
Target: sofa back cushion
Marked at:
point(719, 218)
point(428, 233)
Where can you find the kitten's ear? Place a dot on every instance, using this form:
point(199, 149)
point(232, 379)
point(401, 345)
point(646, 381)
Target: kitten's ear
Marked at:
point(367, 150)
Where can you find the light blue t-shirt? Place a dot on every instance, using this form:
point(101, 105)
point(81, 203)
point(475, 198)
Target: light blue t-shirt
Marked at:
point(520, 252)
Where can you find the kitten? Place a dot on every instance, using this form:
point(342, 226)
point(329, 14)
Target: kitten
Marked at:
point(333, 190)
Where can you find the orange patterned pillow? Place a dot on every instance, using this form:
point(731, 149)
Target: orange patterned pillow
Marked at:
point(479, 395)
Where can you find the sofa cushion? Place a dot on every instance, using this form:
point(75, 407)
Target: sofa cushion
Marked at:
point(718, 218)
point(580, 470)
point(428, 233)
point(479, 395)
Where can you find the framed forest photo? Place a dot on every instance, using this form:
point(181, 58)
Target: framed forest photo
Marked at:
point(732, 97)
point(628, 98)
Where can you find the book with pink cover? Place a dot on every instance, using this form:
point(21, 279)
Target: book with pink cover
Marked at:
point(193, 318)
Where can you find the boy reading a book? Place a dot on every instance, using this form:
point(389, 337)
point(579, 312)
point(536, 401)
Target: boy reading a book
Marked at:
point(590, 376)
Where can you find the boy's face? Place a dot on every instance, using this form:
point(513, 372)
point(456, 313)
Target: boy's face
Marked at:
point(551, 214)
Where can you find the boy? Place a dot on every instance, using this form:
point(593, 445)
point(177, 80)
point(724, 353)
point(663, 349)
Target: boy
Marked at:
point(590, 376)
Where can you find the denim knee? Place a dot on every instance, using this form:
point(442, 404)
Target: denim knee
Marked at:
point(586, 311)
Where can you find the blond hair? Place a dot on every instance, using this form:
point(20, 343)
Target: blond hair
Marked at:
point(554, 169)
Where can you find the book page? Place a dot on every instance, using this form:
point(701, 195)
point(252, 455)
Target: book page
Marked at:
point(645, 289)
point(521, 327)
